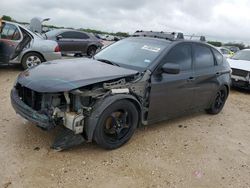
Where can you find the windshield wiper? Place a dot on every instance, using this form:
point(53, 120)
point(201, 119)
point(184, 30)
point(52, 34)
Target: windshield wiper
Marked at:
point(108, 62)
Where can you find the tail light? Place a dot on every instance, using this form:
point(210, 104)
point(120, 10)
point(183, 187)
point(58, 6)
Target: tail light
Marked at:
point(57, 48)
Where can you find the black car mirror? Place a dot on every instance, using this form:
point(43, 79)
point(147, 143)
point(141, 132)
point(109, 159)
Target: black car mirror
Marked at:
point(59, 37)
point(171, 68)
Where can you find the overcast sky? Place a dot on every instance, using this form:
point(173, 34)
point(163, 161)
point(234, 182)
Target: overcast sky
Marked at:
point(219, 19)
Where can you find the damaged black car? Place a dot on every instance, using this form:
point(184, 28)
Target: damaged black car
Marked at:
point(141, 80)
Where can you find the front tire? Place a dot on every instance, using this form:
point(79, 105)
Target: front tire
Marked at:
point(116, 124)
point(219, 101)
point(31, 59)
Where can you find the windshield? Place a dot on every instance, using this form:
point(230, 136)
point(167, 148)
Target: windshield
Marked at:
point(242, 55)
point(133, 52)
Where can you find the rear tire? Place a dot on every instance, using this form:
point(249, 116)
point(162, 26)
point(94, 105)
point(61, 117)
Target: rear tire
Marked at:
point(219, 101)
point(91, 51)
point(116, 124)
point(31, 59)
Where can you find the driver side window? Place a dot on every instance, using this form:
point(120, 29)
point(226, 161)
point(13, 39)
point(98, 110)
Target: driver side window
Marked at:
point(181, 55)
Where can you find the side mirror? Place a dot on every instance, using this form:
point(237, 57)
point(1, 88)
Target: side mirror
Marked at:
point(171, 68)
point(59, 37)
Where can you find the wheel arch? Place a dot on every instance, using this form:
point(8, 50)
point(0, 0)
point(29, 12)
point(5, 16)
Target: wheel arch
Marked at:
point(32, 51)
point(100, 106)
point(92, 44)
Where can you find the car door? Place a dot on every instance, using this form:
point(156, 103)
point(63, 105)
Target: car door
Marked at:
point(81, 42)
point(172, 94)
point(205, 78)
point(66, 41)
point(10, 38)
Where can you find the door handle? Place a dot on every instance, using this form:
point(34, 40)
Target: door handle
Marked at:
point(191, 78)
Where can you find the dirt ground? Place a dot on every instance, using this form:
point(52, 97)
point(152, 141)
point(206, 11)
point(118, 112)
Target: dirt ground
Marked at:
point(193, 151)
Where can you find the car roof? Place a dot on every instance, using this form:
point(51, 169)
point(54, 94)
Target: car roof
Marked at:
point(171, 37)
point(63, 30)
point(177, 41)
point(152, 39)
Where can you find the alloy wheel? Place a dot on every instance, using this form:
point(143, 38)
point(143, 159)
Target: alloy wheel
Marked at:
point(117, 125)
point(33, 61)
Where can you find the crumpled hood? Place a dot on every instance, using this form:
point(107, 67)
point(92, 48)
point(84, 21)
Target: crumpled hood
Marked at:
point(69, 74)
point(239, 64)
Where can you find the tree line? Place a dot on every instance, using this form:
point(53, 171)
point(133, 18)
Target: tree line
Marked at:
point(241, 46)
point(120, 34)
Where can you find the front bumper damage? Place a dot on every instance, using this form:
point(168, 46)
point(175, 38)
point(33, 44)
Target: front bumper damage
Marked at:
point(241, 82)
point(43, 121)
point(69, 135)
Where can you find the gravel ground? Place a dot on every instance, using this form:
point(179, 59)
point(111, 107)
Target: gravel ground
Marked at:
point(193, 151)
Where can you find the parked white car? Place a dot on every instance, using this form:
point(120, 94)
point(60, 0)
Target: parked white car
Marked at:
point(240, 64)
point(20, 45)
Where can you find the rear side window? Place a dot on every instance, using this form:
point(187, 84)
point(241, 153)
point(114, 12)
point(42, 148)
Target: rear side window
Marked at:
point(203, 57)
point(68, 35)
point(79, 35)
point(182, 55)
point(218, 56)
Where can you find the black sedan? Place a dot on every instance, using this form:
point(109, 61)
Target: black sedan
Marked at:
point(76, 42)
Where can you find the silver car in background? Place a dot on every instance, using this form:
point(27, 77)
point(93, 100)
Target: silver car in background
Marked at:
point(20, 45)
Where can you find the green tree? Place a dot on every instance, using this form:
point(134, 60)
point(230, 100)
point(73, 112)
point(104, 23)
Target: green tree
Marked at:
point(122, 34)
point(6, 18)
point(215, 43)
point(239, 45)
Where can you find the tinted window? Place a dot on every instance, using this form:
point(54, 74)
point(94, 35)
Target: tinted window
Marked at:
point(181, 55)
point(74, 35)
point(10, 32)
point(218, 57)
point(68, 35)
point(79, 35)
point(203, 57)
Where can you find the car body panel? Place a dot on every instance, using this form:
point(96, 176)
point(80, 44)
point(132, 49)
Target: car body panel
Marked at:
point(66, 75)
point(165, 91)
point(239, 64)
